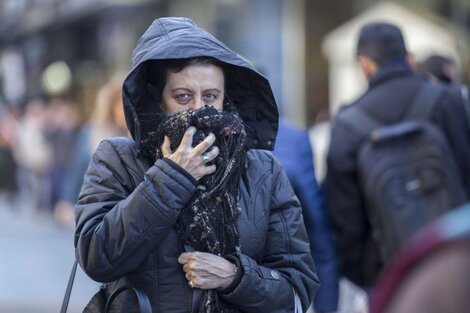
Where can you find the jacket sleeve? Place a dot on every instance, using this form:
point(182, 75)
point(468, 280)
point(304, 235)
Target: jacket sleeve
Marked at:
point(450, 114)
point(345, 204)
point(318, 228)
point(287, 263)
point(119, 223)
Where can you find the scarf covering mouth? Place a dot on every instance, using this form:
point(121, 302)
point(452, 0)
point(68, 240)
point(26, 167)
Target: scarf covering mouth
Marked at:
point(208, 220)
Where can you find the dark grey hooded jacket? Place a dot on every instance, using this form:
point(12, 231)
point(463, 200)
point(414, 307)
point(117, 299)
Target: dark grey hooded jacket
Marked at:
point(128, 205)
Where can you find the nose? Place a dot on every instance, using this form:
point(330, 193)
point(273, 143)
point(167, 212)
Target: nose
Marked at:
point(197, 103)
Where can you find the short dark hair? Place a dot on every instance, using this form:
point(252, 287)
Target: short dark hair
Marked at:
point(381, 42)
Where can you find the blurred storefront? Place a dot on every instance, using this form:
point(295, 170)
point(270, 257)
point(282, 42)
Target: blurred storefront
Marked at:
point(95, 38)
point(92, 38)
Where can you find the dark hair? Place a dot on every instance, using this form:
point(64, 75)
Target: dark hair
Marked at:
point(381, 42)
point(438, 67)
point(157, 72)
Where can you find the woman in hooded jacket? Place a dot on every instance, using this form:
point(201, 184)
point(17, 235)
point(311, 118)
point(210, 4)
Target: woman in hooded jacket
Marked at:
point(192, 213)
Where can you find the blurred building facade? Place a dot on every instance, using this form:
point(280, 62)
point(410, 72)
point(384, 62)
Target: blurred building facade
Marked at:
point(339, 46)
point(95, 39)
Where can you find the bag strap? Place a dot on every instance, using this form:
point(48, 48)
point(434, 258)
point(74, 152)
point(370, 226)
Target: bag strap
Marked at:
point(358, 120)
point(68, 290)
point(424, 102)
point(142, 299)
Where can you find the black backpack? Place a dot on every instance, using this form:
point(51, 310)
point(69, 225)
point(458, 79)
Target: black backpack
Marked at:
point(407, 171)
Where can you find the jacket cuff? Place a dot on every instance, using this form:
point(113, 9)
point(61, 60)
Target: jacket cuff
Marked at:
point(180, 170)
point(238, 275)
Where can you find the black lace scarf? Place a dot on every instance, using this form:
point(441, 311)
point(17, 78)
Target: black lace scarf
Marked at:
point(208, 221)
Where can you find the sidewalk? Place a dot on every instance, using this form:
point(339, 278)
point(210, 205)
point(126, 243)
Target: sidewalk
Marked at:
point(35, 263)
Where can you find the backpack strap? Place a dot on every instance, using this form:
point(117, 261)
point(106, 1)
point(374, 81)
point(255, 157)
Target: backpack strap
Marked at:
point(424, 102)
point(422, 106)
point(357, 120)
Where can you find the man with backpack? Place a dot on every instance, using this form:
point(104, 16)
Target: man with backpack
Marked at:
point(398, 157)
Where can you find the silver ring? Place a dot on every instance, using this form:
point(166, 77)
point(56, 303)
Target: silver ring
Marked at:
point(206, 159)
point(190, 283)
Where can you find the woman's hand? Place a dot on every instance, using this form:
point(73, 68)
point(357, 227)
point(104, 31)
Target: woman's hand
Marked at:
point(207, 270)
point(189, 158)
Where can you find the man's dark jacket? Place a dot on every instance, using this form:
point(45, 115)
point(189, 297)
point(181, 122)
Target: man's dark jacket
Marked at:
point(294, 151)
point(390, 92)
point(128, 205)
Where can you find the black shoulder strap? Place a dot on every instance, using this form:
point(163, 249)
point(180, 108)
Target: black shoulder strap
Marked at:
point(68, 291)
point(142, 299)
point(422, 106)
point(424, 102)
point(358, 120)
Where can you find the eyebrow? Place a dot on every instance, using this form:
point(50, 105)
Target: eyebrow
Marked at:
point(189, 90)
point(212, 89)
point(180, 88)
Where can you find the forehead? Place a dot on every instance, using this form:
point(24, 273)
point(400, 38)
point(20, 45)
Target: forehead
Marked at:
point(200, 74)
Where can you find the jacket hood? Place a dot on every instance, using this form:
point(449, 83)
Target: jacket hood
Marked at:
point(180, 38)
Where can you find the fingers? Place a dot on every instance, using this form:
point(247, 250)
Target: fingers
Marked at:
point(207, 271)
point(194, 160)
point(205, 144)
point(211, 155)
point(187, 139)
point(186, 142)
point(184, 257)
point(166, 150)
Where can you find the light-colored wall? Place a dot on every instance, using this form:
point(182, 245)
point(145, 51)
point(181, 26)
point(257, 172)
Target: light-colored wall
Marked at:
point(423, 35)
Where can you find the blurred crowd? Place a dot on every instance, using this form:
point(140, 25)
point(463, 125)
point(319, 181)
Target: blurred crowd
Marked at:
point(46, 144)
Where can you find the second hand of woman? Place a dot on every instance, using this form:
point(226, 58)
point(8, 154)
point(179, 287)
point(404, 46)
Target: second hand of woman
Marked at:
point(206, 270)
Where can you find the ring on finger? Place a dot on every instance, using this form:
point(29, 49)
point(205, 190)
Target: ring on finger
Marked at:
point(206, 159)
point(190, 283)
point(188, 276)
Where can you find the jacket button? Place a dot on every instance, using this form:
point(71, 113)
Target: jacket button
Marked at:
point(275, 274)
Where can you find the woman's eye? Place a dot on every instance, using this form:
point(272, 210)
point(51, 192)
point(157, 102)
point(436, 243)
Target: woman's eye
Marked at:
point(183, 97)
point(210, 97)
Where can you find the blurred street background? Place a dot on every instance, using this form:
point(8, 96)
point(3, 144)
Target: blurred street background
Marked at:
point(62, 63)
point(35, 263)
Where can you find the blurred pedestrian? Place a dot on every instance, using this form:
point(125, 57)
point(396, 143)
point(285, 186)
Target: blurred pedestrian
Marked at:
point(8, 128)
point(61, 132)
point(385, 62)
point(441, 69)
point(438, 68)
point(191, 213)
point(431, 273)
point(301, 173)
point(33, 155)
point(106, 120)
